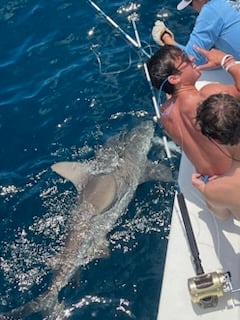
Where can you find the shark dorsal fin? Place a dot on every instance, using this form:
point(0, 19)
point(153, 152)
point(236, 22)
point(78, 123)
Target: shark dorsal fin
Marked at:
point(98, 190)
point(76, 172)
point(101, 191)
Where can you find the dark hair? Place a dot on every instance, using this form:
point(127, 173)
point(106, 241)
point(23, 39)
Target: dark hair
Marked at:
point(219, 118)
point(161, 65)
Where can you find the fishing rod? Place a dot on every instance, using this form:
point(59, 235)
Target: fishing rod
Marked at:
point(154, 99)
point(133, 42)
point(204, 288)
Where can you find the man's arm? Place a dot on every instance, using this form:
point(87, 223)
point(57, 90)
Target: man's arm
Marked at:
point(205, 33)
point(216, 58)
point(214, 199)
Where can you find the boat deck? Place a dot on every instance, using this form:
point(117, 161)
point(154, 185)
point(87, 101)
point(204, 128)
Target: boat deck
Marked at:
point(219, 247)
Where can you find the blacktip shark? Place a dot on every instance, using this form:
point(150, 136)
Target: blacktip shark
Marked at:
point(105, 186)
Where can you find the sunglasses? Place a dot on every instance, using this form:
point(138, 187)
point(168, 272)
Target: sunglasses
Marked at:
point(184, 60)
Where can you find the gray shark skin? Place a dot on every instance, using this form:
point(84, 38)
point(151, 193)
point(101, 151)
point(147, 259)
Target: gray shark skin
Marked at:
point(105, 186)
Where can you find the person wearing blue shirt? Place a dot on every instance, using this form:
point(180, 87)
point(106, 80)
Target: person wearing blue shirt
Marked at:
point(217, 25)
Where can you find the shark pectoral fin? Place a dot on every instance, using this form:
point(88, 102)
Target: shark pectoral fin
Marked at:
point(101, 191)
point(157, 171)
point(76, 172)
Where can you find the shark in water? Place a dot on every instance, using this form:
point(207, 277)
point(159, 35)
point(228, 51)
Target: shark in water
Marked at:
point(105, 186)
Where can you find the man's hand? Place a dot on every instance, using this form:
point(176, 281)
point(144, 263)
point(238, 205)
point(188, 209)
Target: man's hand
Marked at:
point(159, 30)
point(197, 182)
point(213, 57)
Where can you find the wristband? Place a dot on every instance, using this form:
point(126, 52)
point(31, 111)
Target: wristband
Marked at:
point(224, 59)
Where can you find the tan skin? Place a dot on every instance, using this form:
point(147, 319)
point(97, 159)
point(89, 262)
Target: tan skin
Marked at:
point(197, 6)
point(222, 193)
point(180, 112)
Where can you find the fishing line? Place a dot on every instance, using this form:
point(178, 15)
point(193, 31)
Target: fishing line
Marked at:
point(118, 71)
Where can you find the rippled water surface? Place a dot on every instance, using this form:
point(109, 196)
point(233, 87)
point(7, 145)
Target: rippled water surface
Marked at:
point(69, 82)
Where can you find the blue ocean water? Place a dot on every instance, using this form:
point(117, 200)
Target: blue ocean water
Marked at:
point(68, 82)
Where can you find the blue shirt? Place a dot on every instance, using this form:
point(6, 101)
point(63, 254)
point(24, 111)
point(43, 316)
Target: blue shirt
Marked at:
point(218, 26)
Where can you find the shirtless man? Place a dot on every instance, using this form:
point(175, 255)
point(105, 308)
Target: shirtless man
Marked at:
point(219, 119)
point(175, 73)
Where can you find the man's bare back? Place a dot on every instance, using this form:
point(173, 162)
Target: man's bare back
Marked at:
point(179, 123)
point(179, 112)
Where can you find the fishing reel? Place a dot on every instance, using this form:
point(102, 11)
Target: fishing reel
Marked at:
point(206, 288)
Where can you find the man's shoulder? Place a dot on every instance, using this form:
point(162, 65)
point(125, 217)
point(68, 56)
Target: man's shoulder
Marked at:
point(202, 83)
point(221, 6)
point(216, 3)
point(215, 6)
point(211, 88)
